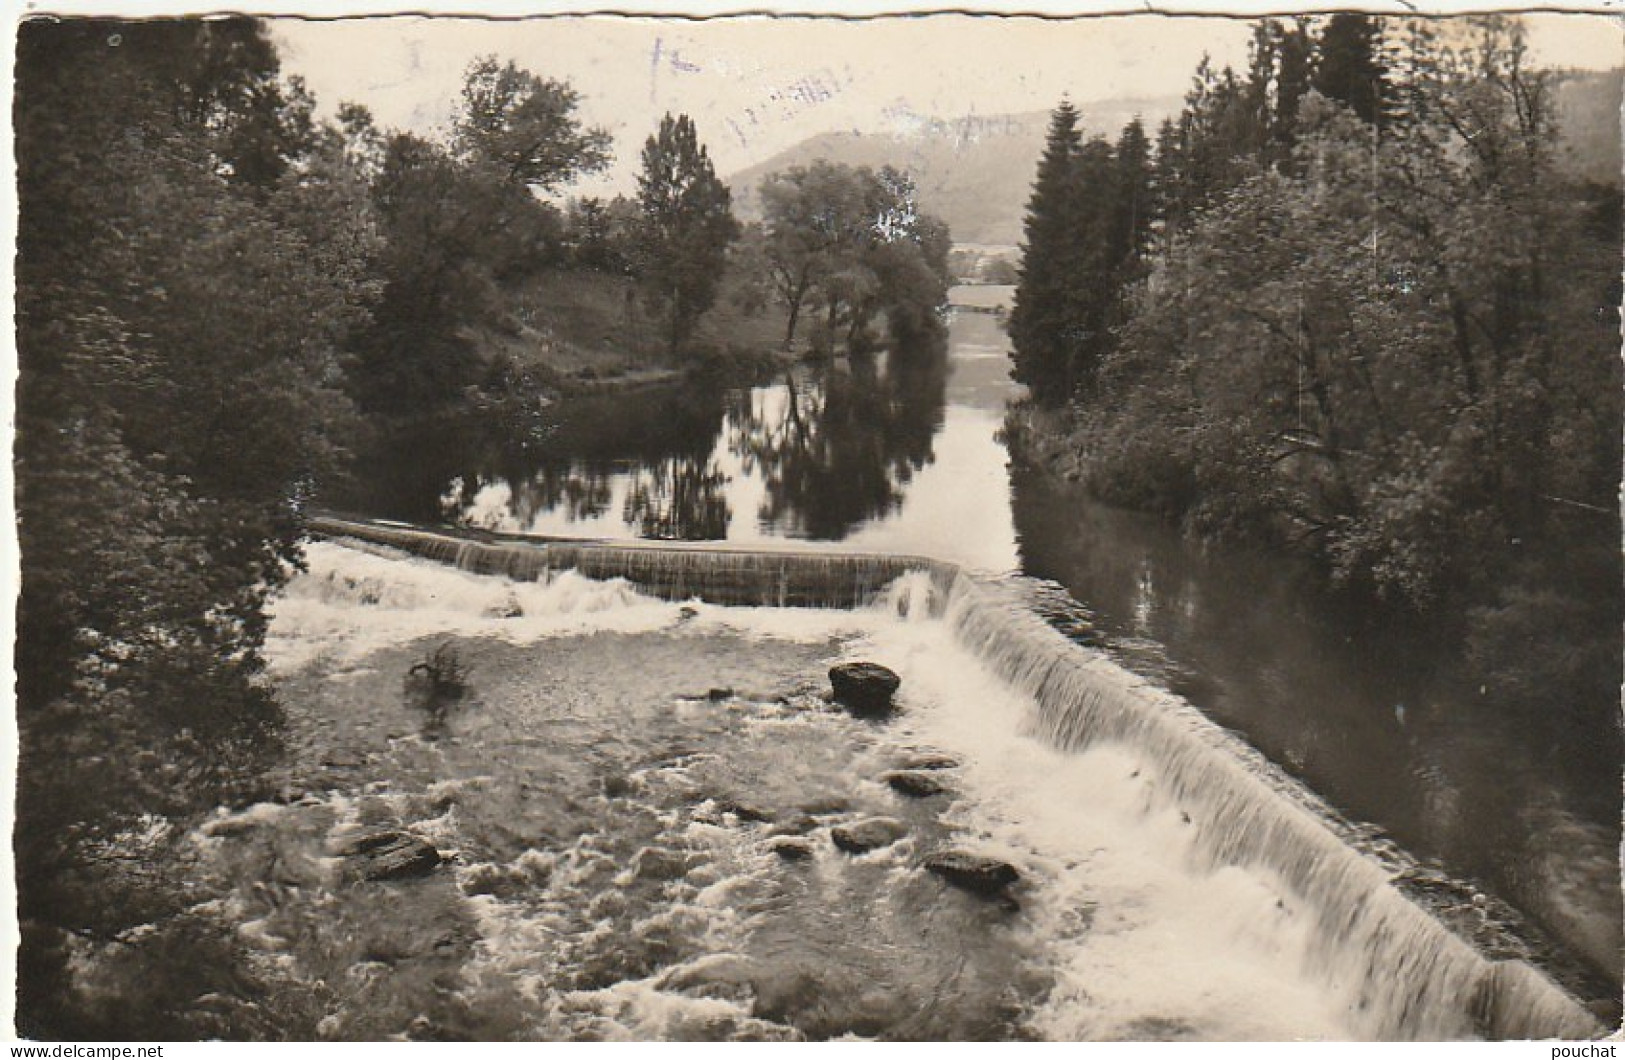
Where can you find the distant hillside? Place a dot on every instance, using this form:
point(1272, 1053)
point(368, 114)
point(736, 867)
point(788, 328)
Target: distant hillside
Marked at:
point(976, 172)
point(973, 172)
point(1588, 112)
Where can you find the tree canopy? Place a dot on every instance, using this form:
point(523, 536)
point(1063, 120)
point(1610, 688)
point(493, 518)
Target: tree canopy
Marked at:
point(1380, 328)
point(851, 242)
point(523, 127)
point(222, 302)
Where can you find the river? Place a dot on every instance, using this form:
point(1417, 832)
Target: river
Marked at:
point(907, 458)
point(508, 800)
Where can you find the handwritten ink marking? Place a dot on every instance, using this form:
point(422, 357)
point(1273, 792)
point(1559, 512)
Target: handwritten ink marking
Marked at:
point(654, 67)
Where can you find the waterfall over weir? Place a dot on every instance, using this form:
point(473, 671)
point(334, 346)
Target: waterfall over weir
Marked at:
point(730, 576)
point(1405, 974)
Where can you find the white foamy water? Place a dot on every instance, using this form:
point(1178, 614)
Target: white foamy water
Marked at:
point(351, 603)
point(1145, 944)
point(1148, 924)
point(1142, 943)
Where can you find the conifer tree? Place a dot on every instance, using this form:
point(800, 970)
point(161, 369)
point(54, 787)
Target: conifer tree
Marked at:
point(1042, 321)
point(1168, 180)
point(1295, 58)
point(686, 227)
point(1135, 205)
point(1350, 68)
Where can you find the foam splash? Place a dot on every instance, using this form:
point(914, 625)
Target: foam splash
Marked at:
point(353, 601)
point(1240, 877)
point(1176, 881)
point(1144, 944)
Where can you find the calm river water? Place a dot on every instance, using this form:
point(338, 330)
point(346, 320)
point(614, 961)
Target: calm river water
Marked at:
point(905, 456)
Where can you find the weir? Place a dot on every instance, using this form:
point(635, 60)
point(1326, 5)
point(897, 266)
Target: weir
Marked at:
point(730, 576)
point(1408, 975)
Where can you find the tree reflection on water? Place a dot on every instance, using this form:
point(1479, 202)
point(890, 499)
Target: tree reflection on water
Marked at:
point(827, 449)
point(836, 449)
point(679, 499)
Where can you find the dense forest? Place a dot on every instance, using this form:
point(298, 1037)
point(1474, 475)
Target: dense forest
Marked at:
point(1349, 305)
point(227, 302)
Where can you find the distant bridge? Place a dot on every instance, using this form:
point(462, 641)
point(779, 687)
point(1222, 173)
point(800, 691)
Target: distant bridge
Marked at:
point(990, 310)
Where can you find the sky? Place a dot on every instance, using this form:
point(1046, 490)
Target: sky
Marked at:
point(757, 85)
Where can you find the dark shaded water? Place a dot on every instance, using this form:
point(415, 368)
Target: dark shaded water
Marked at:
point(1377, 720)
point(902, 455)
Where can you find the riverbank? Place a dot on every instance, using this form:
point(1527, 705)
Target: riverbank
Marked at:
point(1506, 784)
point(581, 331)
point(1041, 439)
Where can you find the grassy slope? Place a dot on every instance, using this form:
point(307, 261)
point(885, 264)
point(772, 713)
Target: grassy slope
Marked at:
point(583, 330)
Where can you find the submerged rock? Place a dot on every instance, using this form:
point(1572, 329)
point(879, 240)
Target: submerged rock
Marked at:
point(872, 833)
point(791, 848)
point(864, 687)
point(656, 863)
point(929, 760)
point(744, 811)
point(391, 856)
point(972, 872)
point(914, 783)
point(798, 825)
point(824, 805)
point(525, 875)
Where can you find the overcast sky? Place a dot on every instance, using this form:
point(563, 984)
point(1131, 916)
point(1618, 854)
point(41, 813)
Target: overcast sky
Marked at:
point(757, 85)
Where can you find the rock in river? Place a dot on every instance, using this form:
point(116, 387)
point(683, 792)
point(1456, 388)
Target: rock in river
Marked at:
point(863, 687)
point(391, 856)
point(791, 848)
point(871, 833)
point(928, 760)
point(973, 872)
point(916, 784)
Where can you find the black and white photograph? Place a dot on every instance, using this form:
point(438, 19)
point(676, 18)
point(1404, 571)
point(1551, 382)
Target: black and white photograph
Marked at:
point(796, 527)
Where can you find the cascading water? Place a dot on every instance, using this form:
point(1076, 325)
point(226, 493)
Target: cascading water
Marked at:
point(1410, 976)
point(717, 575)
point(1402, 973)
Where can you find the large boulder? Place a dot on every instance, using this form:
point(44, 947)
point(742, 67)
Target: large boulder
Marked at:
point(390, 856)
point(972, 872)
point(871, 833)
point(863, 687)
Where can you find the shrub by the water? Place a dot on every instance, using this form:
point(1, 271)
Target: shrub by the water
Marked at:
point(443, 672)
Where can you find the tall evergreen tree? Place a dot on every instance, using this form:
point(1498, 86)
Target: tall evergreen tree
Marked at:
point(686, 227)
point(1099, 249)
point(1135, 201)
point(1350, 68)
point(1168, 181)
point(1043, 318)
point(1295, 67)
